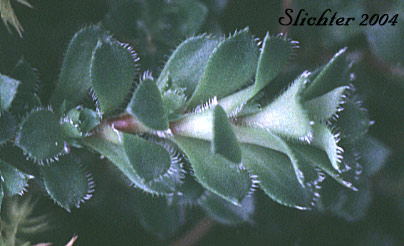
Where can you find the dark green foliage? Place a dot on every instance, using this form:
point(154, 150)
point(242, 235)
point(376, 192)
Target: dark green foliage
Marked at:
point(41, 126)
point(147, 106)
point(112, 73)
point(198, 135)
point(224, 140)
point(66, 182)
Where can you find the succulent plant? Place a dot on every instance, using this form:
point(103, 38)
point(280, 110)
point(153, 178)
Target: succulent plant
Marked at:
point(204, 132)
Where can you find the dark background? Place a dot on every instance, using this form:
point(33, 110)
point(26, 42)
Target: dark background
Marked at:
point(109, 219)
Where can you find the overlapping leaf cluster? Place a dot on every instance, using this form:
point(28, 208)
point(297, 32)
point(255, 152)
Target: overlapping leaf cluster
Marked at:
point(198, 134)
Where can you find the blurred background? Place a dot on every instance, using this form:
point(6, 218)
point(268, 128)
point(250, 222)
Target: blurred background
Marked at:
point(154, 28)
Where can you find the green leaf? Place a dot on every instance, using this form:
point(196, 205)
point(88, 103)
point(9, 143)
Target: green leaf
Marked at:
point(147, 106)
point(89, 119)
point(185, 68)
point(324, 107)
point(112, 74)
point(285, 115)
point(353, 120)
point(325, 140)
point(1, 195)
point(26, 98)
point(276, 176)
point(157, 216)
point(275, 53)
point(267, 139)
point(41, 126)
point(334, 74)
point(70, 124)
point(225, 212)
point(224, 140)
point(8, 126)
point(13, 180)
point(320, 159)
point(8, 90)
point(74, 80)
point(66, 182)
point(214, 172)
point(231, 65)
point(150, 160)
point(173, 101)
point(109, 142)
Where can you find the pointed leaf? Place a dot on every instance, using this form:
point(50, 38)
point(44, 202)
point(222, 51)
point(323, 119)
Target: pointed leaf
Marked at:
point(147, 106)
point(324, 139)
point(277, 178)
point(275, 53)
point(66, 182)
point(214, 172)
point(353, 120)
point(224, 140)
point(13, 180)
point(324, 107)
point(285, 115)
point(225, 212)
point(149, 160)
point(89, 119)
point(112, 74)
point(8, 126)
point(320, 159)
point(26, 98)
point(8, 90)
point(187, 64)
point(334, 74)
point(267, 139)
point(41, 126)
point(231, 65)
point(109, 142)
point(74, 79)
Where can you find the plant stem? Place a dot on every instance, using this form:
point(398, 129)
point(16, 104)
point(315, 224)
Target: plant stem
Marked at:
point(196, 233)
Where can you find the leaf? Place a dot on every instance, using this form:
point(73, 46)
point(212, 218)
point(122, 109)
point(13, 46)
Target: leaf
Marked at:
point(8, 91)
point(185, 67)
point(214, 172)
point(13, 180)
point(334, 74)
point(225, 212)
point(74, 80)
point(8, 126)
point(109, 142)
point(324, 139)
point(157, 216)
point(26, 98)
point(89, 119)
point(224, 140)
point(41, 126)
point(150, 160)
point(285, 115)
point(231, 65)
point(275, 53)
point(66, 182)
point(353, 121)
point(267, 139)
point(276, 176)
point(324, 107)
point(112, 74)
point(320, 159)
point(147, 106)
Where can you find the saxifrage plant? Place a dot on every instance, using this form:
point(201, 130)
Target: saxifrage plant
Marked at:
point(202, 133)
